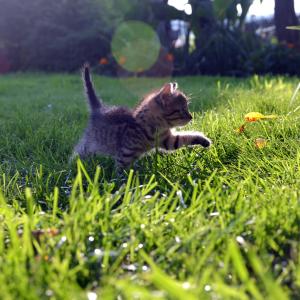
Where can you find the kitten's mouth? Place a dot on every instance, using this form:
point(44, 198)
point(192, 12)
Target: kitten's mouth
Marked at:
point(184, 122)
point(188, 118)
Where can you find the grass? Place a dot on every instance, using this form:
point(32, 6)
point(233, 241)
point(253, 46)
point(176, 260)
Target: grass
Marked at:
point(222, 223)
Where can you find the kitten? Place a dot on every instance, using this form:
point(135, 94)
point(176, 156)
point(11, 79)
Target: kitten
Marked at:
point(127, 134)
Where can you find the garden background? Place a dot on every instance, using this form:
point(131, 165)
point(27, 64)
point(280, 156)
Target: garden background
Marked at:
point(218, 223)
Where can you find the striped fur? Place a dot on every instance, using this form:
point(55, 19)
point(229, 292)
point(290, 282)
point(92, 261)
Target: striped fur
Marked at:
point(175, 140)
point(127, 134)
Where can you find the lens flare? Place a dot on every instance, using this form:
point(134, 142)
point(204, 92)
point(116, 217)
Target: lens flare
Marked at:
point(135, 46)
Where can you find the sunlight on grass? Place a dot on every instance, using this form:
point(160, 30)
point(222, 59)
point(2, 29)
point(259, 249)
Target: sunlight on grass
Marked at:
point(221, 223)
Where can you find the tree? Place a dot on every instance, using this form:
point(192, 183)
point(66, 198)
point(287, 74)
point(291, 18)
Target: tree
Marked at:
point(285, 16)
point(53, 35)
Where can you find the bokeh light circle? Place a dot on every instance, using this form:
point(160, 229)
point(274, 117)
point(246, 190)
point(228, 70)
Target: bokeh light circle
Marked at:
point(135, 46)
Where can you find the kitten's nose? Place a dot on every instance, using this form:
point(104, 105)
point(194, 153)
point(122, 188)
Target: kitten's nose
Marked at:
point(190, 117)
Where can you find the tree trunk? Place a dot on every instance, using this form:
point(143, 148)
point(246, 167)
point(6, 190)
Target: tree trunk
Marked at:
point(285, 16)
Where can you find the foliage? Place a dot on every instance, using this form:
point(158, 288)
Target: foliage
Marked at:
point(226, 11)
point(53, 35)
point(209, 16)
point(223, 46)
point(275, 59)
point(61, 35)
point(235, 53)
point(193, 224)
point(225, 52)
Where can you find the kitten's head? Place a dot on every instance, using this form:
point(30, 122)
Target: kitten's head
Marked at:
point(173, 105)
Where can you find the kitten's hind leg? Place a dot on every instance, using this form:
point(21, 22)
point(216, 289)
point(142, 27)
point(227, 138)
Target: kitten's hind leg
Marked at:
point(73, 157)
point(82, 150)
point(125, 159)
point(122, 164)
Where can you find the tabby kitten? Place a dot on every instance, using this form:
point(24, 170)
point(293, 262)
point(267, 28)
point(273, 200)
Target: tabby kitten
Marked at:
point(127, 134)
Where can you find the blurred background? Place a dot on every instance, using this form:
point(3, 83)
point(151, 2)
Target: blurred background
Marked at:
point(151, 37)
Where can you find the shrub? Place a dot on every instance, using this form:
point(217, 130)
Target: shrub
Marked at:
point(52, 35)
point(275, 59)
point(225, 52)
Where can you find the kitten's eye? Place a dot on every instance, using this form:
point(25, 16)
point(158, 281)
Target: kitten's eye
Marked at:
point(184, 112)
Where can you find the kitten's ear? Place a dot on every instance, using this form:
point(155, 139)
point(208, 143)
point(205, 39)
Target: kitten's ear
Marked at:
point(168, 89)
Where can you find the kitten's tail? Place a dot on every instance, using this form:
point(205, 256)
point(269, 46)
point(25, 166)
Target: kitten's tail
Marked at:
point(94, 102)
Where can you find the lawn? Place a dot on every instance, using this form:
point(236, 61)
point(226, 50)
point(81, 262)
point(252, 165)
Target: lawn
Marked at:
point(222, 223)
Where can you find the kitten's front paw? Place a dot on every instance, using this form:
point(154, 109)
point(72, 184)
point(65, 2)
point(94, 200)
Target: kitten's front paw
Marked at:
point(202, 140)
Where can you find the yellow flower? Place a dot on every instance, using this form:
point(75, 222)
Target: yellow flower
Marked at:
point(241, 129)
point(260, 143)
point(256, 116)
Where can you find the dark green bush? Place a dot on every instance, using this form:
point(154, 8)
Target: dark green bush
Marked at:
point(52, 35)
point(60, 35)
point(275, 59)
point(237, 53)
point(225, 52)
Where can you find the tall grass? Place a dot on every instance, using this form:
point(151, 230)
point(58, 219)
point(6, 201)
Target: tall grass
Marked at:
point(222, 223)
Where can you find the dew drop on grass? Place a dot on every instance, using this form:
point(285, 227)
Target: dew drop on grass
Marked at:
point(207, 288)
point(91, 296)
point(91, 238)
point(143, 226)
point(62, 241)
point(251, 221)
point(145, 268)
point(124, 245)
point(186, 285)
point(140, 246)
point(131, 267)
point(225, 187)
point(98, 252)
point(177, 239)
point(214, 214)
point(49, 293)
point(181, 200)
point(240, 240)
